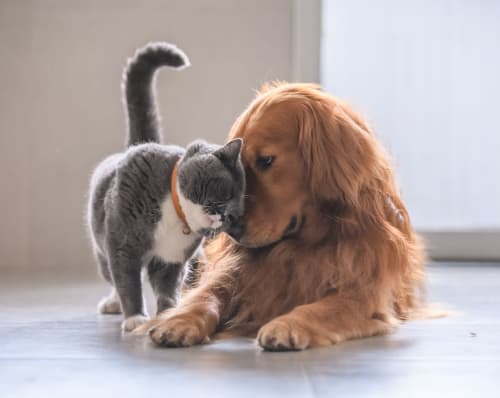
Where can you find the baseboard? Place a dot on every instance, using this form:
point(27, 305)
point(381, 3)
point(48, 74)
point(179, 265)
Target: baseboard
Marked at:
point(463, 245)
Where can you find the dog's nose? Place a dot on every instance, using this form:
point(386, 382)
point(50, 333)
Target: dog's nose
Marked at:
point(235, 227)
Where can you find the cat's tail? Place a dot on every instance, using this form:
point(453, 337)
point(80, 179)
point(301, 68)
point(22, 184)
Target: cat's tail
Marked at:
point(139, 95)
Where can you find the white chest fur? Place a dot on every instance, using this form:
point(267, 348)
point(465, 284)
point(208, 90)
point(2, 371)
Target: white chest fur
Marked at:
point(170, 242)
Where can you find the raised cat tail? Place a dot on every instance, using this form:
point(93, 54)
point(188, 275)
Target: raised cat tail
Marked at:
point(139, 94)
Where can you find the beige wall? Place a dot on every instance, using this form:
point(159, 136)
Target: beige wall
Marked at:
point(60, 109)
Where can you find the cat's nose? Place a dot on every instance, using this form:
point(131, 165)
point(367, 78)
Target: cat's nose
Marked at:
point(234, 226)
point(231, 218)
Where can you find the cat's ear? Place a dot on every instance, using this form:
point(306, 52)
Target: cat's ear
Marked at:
point(230, 152)
point(196, 147)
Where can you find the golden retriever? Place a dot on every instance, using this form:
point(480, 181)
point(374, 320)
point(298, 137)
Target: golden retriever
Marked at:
point(325, 252)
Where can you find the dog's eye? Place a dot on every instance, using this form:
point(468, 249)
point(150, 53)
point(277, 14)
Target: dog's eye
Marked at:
point(264, 162)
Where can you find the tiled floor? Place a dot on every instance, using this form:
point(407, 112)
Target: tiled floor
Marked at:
point(53, 344)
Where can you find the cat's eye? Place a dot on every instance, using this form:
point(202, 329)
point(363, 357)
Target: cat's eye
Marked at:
point(219, 190)
point(264, 162)
point(226, 196)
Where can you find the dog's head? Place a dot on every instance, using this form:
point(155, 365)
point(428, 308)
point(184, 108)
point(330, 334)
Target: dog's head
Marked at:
point(303, 151)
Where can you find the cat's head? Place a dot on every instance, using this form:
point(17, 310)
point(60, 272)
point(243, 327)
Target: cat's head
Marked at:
point(211, 180)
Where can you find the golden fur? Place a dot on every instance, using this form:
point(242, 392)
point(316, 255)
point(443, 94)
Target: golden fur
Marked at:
point(354, 266)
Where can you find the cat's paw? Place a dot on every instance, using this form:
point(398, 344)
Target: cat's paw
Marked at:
point(178, 331)
point(109, 305)
point(133, 322)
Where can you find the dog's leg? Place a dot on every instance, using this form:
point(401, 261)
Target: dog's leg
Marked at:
point(328, 321)
point(193, 322)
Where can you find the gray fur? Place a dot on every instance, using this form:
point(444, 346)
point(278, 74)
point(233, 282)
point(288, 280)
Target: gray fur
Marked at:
point(139, 89)
point(127, 191)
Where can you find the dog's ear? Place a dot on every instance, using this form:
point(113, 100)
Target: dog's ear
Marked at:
point(338, 150)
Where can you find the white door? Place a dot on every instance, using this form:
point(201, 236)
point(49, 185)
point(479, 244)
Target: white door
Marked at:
point(426, 74)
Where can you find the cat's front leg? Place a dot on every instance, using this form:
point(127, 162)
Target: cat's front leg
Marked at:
point(126, 273)
point(166, 278)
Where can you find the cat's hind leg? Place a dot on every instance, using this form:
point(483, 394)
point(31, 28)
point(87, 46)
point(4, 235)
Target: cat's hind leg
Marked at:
point(166, 279)
point(109, 304)
point(126, 272)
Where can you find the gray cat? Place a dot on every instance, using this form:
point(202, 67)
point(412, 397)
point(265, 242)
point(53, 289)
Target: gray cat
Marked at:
point(152, 205)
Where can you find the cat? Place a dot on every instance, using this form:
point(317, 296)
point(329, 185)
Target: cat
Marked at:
point(152, 205)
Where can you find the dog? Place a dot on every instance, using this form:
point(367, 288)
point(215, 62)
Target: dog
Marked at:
point(325, 251)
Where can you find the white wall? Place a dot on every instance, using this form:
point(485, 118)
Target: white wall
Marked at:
point(426, 74)
point(60, 109)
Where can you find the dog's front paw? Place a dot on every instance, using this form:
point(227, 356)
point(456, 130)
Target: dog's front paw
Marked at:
point(179, 331)
point(282, 334)
point(133, 322)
